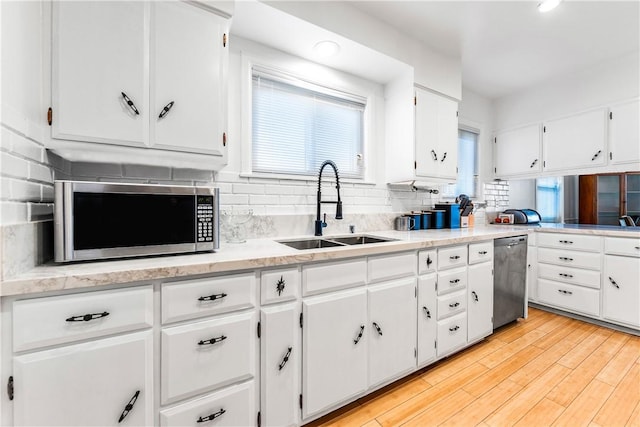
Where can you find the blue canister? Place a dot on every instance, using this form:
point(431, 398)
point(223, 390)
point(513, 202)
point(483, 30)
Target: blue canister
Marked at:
point(417, 220)
point(437, 219)
point(425, 220)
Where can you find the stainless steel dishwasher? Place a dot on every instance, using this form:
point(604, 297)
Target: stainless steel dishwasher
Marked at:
point(509, 279)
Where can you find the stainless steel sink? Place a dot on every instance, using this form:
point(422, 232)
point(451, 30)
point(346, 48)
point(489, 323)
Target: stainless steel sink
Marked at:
point(317, 243)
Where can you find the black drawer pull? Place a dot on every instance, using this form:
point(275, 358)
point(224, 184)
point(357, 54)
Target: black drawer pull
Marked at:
point(455, 328)
point(212, 340)
point(566, 242)
point(427, 312)
point(129, 406)
point(614, 283)
point(595, 156)
point(566, 275)
point(130, 103)
point(87, 317)
point(211, 417)
point(562, 291)
point(285, 359)
point(455, 257)
point(482, 252)
point(165, 110)
point(434, 155)
point(212, 297)
point(475, 296)
point(429, 261)
point(564, 258)
point(443, 157)
point(280, 284)
point(638, 248)
point(375, 325)
point(454, 281)
point(454, 304)
point(357, 340)
point(533, 163)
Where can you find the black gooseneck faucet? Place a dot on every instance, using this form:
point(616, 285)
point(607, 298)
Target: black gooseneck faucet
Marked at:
point(320, 223)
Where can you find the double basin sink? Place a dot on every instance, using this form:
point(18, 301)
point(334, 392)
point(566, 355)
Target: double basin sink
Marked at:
point(329, 242)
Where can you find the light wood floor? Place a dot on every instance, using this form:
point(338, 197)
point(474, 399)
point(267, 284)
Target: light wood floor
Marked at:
point(547, 370)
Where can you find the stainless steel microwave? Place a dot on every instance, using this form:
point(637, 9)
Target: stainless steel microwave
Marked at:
point(99, 220)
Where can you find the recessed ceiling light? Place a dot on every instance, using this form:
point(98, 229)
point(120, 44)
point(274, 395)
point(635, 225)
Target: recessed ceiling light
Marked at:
point(326, 48)
point(547, 5)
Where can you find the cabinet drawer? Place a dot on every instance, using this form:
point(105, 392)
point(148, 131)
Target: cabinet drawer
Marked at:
point(233, 406)
point(391, 266)
point(577, 276)
point(622, 246)
point(480, 252)
point(453, 280)
point(577, 242)
point(205, 355)
point(587, 260)
point(427, 261)
point(279, 285)
point(452, 333)
point(47, 321)
point(335, 275)
point(451, 304)
point(572, 297)
point(452, 257)
point(189, 299)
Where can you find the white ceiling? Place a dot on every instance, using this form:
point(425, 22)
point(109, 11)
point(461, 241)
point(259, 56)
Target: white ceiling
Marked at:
point(506, 46)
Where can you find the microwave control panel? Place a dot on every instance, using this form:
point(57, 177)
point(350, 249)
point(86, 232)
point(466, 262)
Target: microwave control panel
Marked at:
point(204, 215)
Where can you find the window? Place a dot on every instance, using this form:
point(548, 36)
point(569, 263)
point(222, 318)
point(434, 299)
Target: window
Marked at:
point(296, 125)
point(548, 199)
point(467, 181)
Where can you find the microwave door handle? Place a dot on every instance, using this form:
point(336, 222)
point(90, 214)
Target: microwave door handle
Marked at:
point(68, 221)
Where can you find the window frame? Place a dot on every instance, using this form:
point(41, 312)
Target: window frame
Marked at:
point(450, 190)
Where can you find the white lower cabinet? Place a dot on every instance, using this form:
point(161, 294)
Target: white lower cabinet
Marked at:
point(107, 382)
point(279, 365)
point(392, 330)
point(334, 353)
point(427, 320)
point(579, 299)
point(452, 333)
point(233, 406)
point(621, 290)
point(480, 301)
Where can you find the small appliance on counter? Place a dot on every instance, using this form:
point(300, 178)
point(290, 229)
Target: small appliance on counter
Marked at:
point(519, 216)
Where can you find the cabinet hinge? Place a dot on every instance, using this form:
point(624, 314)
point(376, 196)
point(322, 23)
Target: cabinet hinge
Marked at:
point(415, 353)
point(456, 169)
point(50, 116)
point(415, 100)
point(259, 421)
point(301, 320)
point(415, 165)
point(10, 387)
point(300, 401)
point(224, 40)
point(224, 139)
point(495, 140)
point(544, 163)
point(610, 115)
point(435, 344)
point(610, 155)
point(456, 114)
point(415, 293)
point(436, 286)
point(495, 170)
point(544, 129)
point(259, 330)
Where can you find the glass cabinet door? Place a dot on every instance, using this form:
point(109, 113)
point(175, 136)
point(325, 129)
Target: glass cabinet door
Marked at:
point(633, 196)
point(608, 199)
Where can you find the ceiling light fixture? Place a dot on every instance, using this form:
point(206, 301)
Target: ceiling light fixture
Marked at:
point(326, 48)
point(547, 5)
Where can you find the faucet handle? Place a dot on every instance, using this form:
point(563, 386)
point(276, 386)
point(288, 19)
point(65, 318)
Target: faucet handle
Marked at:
point(324, 220)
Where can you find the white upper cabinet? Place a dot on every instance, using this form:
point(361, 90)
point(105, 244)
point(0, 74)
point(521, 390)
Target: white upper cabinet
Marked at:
point(575, 142)
point(624, 133)
point(99, 57)
point(134, 76)
point(518, 151)
point(436, 135)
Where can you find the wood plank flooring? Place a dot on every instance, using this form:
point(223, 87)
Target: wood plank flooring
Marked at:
point(548, 370)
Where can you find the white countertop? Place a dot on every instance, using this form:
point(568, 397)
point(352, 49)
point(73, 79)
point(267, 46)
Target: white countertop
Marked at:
point(259, 253)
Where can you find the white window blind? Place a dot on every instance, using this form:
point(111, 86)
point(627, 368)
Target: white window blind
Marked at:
point(297, 125)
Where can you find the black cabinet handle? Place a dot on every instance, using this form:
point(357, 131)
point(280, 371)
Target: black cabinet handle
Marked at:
point(475, 296)
point(87, 317)
point(165, 110)
point(375, 325)
point(562, 291)
point(567, 242)
point(130, 103)
point(482, 252)
point(453, 282)
point(455, 328)
point(569, 276)
point(285, 359)
point(614, 283)
point(357, 340)
point(429, 261)
point(434, 155)
point(212, 340)
point(454, 304)
point(211, 417)
point(280, 284)
point(443, 157)
point(212, 297)
point(564, 258)
point(427, 312)
point(129, 406)
point(533, 163)
point(455, 257)
point(595, 156)
point(638, 247)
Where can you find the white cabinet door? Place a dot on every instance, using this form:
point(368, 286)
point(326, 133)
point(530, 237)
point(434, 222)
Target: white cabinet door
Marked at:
point(480, 302)
point(621, 290)
point(518, 151)
point(392, 330)
point(99, 54)
point(427, 319)
point(532, 273)
point(87, 384)
point(188, 62)
point(436, 134)
point(334, 352)
point(624, 133)
point(575, 142)
point(279, 364)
